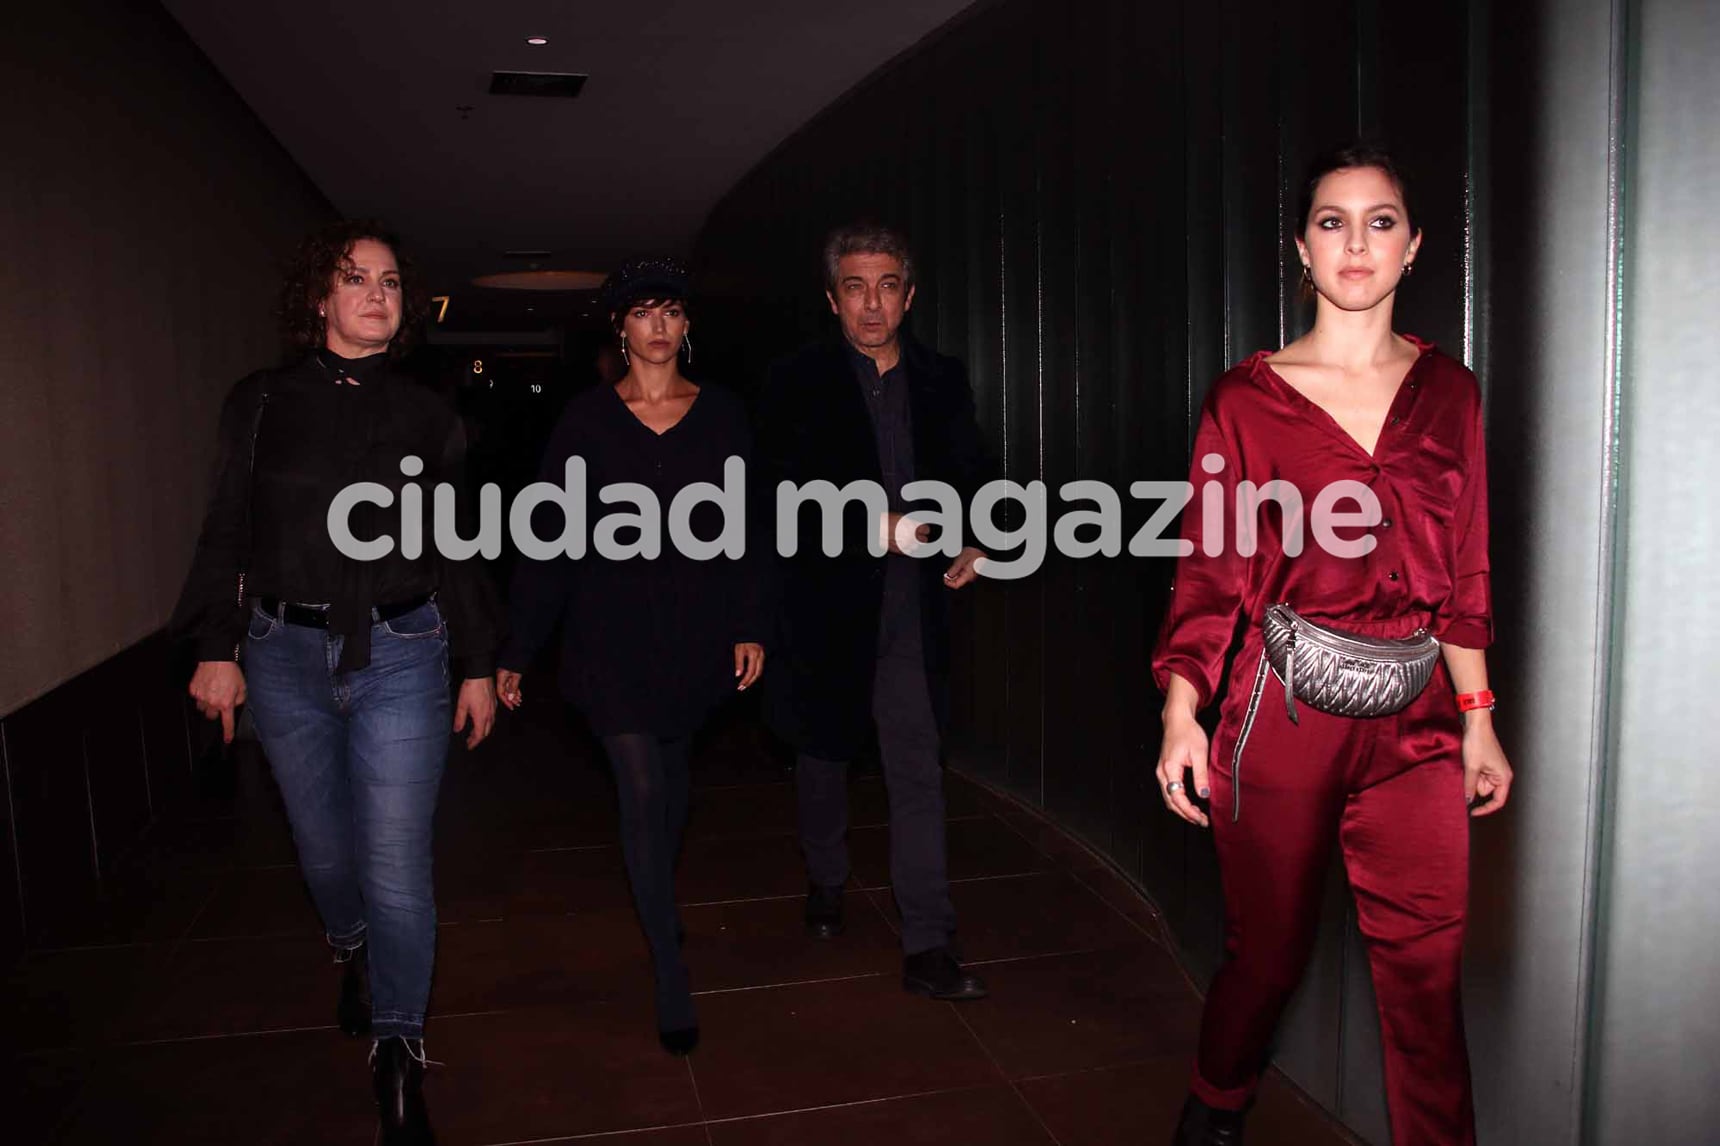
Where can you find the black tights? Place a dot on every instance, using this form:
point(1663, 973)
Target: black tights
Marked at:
point(652, 783)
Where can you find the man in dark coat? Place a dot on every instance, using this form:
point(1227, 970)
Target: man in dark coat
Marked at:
point(864, 640)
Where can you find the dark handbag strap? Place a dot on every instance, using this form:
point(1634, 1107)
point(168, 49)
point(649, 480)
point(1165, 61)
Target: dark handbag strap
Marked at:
point(245, 728)
point(250, 498)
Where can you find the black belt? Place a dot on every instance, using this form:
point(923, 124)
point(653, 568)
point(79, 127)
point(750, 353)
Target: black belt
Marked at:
point(317, 618)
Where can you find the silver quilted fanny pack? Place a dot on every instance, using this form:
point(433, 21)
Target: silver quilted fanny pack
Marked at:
point(1342, 673)
point(1337, 672)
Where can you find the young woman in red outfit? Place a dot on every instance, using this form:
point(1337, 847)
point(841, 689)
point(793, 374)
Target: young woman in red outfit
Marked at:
point(1351, 401)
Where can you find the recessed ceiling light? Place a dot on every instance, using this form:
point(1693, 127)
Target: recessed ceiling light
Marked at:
point(542, 280)
point(563, 84)
point(537, 41)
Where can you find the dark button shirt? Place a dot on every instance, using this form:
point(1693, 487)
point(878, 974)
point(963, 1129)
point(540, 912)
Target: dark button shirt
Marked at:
point(886, 397)
point(290, 440)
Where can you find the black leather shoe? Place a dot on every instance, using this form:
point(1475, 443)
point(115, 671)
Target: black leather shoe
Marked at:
point(1203, 1125)
point(352, 1010)
point(937, 975)
point(679, 1042)
point(397, 1074)
point(823, 911)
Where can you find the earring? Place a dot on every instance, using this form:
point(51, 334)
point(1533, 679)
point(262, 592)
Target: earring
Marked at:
point(1307, 276)
point(687, 345)
point(624, 357)
point(1407, 268)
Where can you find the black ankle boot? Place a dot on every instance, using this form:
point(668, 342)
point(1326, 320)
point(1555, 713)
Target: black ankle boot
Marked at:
point(397, 1073)
point(352, 1011)
point(681, 1041)
point(1203, 1125)
point(677, 1019)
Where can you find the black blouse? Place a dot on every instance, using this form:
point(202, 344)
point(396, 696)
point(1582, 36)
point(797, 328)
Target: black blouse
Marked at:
point(647, 643)
point(315, 433)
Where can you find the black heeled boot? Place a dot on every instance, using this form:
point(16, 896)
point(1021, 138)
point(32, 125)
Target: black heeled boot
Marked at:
point(677, 1021)
point(397, 1074)
point(1203, 1125)
point(680, 1042)
point(352, 1010)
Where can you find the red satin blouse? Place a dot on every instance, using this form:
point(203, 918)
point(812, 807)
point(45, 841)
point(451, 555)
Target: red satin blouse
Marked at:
point(1428, 471)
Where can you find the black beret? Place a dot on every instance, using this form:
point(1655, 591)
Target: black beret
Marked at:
point(644, 279)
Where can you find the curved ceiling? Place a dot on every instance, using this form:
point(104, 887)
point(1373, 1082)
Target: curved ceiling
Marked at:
point(385, 106)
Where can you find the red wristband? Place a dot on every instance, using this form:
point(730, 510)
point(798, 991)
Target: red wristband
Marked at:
point(1471, 700)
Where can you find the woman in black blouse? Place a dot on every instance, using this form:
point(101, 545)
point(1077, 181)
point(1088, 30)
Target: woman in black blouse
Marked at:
point(651, 643)
point(346, 662)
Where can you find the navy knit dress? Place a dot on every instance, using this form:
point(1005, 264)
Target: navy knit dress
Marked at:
point(647, 643)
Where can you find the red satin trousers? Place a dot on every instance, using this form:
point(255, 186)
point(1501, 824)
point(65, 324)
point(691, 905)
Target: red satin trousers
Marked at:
point(1389, 792)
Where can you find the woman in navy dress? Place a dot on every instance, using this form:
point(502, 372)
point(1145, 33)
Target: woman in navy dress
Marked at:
point(653, 637)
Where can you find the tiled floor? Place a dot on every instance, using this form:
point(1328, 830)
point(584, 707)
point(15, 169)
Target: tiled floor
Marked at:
point(195, 1005)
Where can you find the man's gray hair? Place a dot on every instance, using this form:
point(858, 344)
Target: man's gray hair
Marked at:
point(866, 239)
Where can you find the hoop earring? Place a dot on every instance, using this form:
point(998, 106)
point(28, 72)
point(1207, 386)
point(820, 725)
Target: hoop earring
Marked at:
point(687, 345)
point(624, 357)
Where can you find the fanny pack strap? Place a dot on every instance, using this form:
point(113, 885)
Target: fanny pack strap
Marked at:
point(1242, 737)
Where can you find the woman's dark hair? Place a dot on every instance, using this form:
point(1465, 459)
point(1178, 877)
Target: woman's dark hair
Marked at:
point(644, 282)
point(310, 279)
point(618, 318)
point(1358, 154)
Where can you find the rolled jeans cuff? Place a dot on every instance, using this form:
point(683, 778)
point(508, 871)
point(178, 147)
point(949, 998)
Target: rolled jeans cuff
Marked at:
point(396, 1024)
point(345, 943)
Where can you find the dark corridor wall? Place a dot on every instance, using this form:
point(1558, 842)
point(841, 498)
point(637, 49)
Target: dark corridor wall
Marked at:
point(1099, 196)
point(143, 211)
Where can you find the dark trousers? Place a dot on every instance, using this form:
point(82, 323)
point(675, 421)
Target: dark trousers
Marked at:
point(908, 745)
point(1389, 793)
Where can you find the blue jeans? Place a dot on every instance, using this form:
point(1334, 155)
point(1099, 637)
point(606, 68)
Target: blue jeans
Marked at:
point(358, 757)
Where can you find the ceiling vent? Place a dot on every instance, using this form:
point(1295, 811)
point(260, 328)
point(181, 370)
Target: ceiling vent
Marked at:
point(563, 84)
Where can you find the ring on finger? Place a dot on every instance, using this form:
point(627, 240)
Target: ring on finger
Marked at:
point(1174, 786)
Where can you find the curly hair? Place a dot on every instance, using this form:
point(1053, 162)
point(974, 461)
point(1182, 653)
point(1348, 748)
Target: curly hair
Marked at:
point(310, 278)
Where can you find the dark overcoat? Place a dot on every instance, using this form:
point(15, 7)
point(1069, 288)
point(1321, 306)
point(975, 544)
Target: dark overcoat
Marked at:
point(812, 423)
